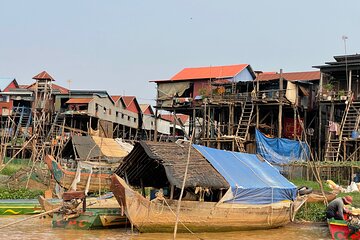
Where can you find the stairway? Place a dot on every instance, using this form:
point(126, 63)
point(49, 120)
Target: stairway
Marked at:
point(349, 123)
point(24, 120)
point(56, 126)
point(242, 130)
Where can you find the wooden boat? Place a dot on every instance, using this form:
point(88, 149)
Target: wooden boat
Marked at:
point(158, 215)
point(65, 177)
point(339, 230)
point(102, 212)
point(92, 218)
point(317, 196)
point(19, 206)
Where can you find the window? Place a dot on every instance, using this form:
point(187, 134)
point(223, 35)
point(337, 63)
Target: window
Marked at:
point(104, 110)
point(117, 114)
point(96, 107)
point(122, 115)
point(109, 111)
point(128, 118)
point(134, 119)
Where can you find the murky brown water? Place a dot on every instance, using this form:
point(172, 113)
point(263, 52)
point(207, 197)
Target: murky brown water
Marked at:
point(41, 229)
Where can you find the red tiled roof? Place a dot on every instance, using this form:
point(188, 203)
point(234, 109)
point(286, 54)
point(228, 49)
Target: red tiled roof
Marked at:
point(128, 99)
point(79, 100)
point(43, 76)
point(293, 76)
point(131, 103)
point(170, 117)
point(60, 88)
point(209, 72)
point(146, 109)
point(54, 86)
point(115, 98)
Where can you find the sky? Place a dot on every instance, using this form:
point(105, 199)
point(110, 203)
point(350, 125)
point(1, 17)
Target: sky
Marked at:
point(119, 46)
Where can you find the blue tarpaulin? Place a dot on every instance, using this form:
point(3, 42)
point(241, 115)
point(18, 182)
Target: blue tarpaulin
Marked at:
point(281, 150)
point(252, 180)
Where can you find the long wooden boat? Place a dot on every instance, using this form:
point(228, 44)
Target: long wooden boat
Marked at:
point(65, 177)
point(19, 206)
point(339, 230)
point(159, 215)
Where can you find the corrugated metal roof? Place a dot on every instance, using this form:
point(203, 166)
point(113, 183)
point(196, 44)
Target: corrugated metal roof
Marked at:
point(79, 100)
point(292, 76)
point(109, 147)
point(213, 72)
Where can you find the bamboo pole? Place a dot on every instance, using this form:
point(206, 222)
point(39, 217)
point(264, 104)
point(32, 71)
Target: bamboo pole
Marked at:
point(183, 185)
point(13, 157)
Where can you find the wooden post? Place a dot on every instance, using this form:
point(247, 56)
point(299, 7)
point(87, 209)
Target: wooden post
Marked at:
point(350, 78)
point(156, 126)
point(231, 112)
point(295, 123)
point(320, 110)
point(174, 125)
point(193, 122)
point(280, 104)
point(204, 122)
point(257, 106)
point(172, 188)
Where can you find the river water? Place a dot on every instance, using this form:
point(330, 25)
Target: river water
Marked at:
point(41, 229)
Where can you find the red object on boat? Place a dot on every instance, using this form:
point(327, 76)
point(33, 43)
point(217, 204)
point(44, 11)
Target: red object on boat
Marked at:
point(340, 231)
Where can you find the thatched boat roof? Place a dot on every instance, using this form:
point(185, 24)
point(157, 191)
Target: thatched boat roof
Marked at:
point(157, 164)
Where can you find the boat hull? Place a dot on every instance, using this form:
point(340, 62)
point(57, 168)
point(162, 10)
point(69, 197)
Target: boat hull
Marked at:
point(19, 207)
point(159, 215)
point(91, 219)
point(339, 230)
point(66, 177)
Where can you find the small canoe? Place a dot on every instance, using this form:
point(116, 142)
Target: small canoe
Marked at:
point(340, 230)
point(19, 206)
point(317, 196)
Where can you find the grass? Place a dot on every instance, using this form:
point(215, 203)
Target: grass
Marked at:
point(314, 185)
point(315, 212)
point(14, 166)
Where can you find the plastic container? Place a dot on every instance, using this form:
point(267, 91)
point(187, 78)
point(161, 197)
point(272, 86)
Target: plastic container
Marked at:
point(354, 134)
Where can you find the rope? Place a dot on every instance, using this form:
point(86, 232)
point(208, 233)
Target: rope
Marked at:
point(180, 220)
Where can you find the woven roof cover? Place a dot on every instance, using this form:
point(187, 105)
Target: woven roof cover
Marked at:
point(159, 163)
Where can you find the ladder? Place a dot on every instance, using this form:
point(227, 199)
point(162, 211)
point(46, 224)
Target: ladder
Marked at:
point(242, 130)
point(349, 123)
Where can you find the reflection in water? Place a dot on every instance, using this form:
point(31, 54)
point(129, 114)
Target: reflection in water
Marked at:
point(41, 229)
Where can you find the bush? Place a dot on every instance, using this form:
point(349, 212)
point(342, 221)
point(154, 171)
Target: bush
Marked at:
point(21, 193)
point(314, 212)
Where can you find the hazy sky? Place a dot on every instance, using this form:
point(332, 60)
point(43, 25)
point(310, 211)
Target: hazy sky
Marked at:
point(119, 46)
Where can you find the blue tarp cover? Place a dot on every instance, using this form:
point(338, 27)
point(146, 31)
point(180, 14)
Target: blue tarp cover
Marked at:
point(281, 150)
point(252, 180)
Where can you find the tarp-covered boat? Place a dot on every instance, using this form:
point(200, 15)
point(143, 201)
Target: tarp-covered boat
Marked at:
point(230, 191)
